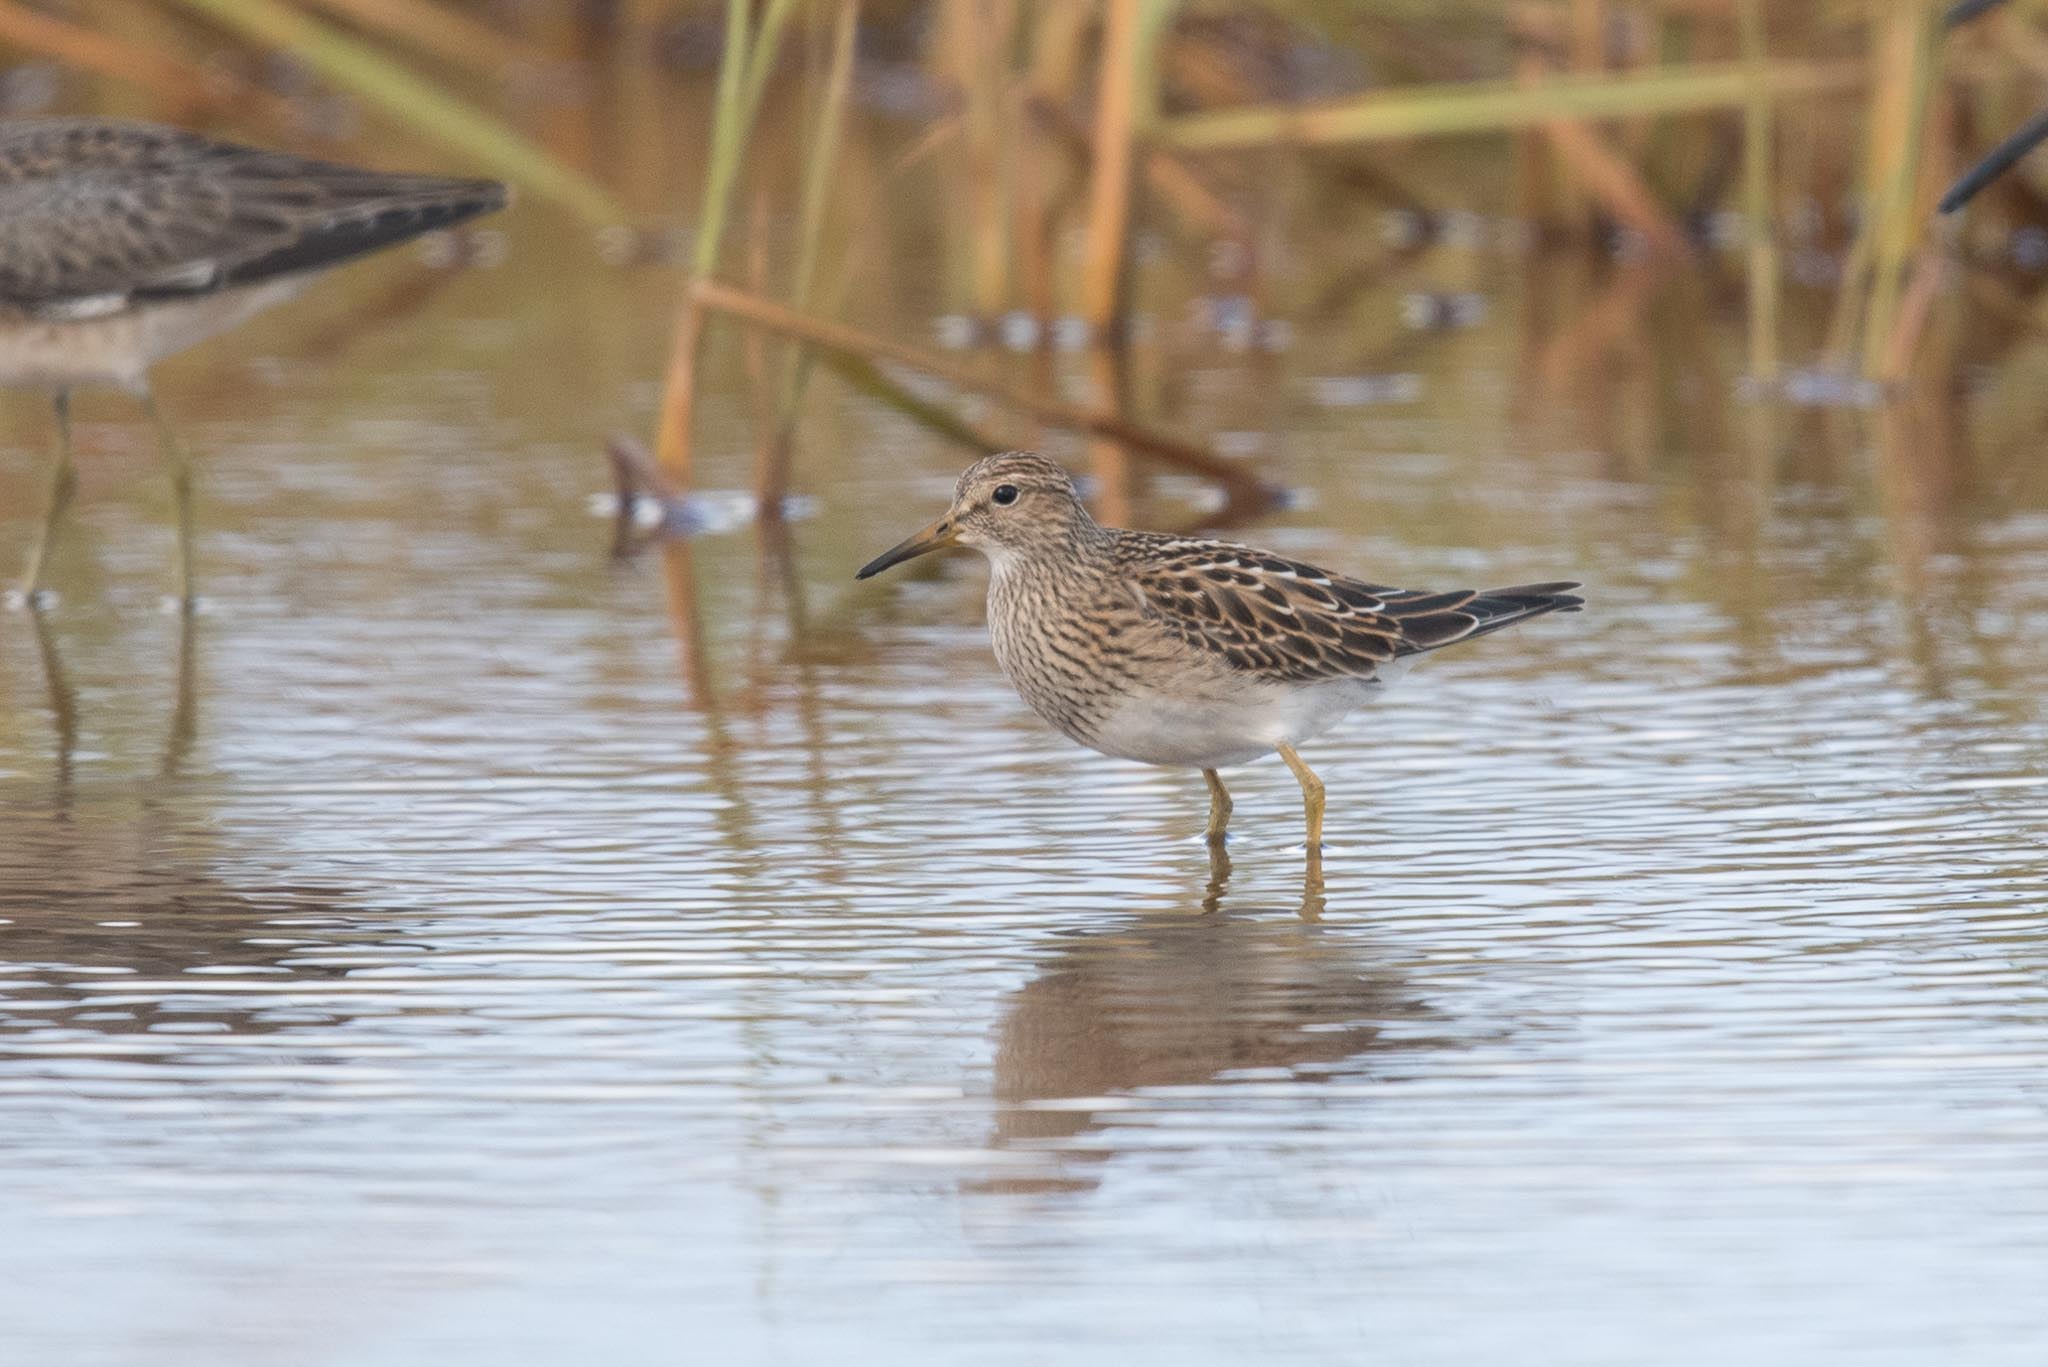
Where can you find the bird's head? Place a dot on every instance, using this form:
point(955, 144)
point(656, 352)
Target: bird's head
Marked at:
point(1004, 505)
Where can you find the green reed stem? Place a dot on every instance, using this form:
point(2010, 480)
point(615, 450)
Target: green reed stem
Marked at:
point(743, 71)
point(1480, 106)
point(728, 139)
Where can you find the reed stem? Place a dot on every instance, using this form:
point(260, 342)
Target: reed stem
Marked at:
point(1757, 135)
point(743, 71)
point(1483, 106)
point(1126, 101)
point(1909, 64)
point(821, 156)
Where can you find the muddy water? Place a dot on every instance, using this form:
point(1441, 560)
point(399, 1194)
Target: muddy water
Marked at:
point(432, 957)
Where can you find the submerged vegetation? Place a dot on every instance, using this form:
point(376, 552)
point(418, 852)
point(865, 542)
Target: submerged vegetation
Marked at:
point(1081, 147)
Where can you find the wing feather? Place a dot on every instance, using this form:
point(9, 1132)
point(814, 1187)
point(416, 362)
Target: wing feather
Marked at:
point(94, 208)
point(1294, 622)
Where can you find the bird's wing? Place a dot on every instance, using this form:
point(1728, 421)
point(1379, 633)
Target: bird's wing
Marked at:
point(95, 212)
point(1293, 622)
point(85, 215)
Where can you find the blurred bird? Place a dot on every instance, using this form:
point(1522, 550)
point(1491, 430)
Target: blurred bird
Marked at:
point(1183, 652)
point(122, 243)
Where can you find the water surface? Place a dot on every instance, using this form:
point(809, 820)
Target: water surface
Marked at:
point(431, 957)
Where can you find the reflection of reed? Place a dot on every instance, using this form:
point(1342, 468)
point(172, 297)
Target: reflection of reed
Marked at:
point(686, 621)
point(778, 578)
point(1178, 1002)
point(721, 752)
point(1924, 477)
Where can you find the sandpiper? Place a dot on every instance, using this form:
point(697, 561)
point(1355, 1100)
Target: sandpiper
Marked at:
point(121, 243)
point(1183, 652)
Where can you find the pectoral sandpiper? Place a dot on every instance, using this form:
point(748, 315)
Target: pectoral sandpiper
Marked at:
point(121, 243)
point(1183, 652)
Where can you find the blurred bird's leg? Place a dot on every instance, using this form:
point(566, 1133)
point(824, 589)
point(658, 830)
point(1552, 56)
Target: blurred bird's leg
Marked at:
point(181, 494)
point(1311, 798)
point(1219, 806)
point(63, 481)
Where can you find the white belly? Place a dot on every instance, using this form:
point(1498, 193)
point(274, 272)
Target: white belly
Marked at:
point(119, 347)
point(1215, 733)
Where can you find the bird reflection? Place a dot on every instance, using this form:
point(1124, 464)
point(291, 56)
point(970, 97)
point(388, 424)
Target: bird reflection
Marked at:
point(106, 883)
point(61, 701)
point(1176, 1001)
point(110, 890)
point(1312, 905)
point(184, 728)
point(62, 697)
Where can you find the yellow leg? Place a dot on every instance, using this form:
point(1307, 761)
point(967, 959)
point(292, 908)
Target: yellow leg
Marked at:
point(1219, 806)
point(181, 494)
point(1311, 796)
point(62, 482)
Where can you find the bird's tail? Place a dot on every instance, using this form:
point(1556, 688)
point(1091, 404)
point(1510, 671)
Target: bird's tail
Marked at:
point(1432, 620)
point(325, 214)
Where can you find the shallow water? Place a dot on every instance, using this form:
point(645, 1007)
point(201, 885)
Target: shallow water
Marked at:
point(432, 957)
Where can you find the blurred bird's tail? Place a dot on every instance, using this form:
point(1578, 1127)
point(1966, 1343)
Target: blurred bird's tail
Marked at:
point(326, 214)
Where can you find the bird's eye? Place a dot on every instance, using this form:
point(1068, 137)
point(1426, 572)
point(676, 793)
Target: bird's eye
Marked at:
point(1004, 496)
